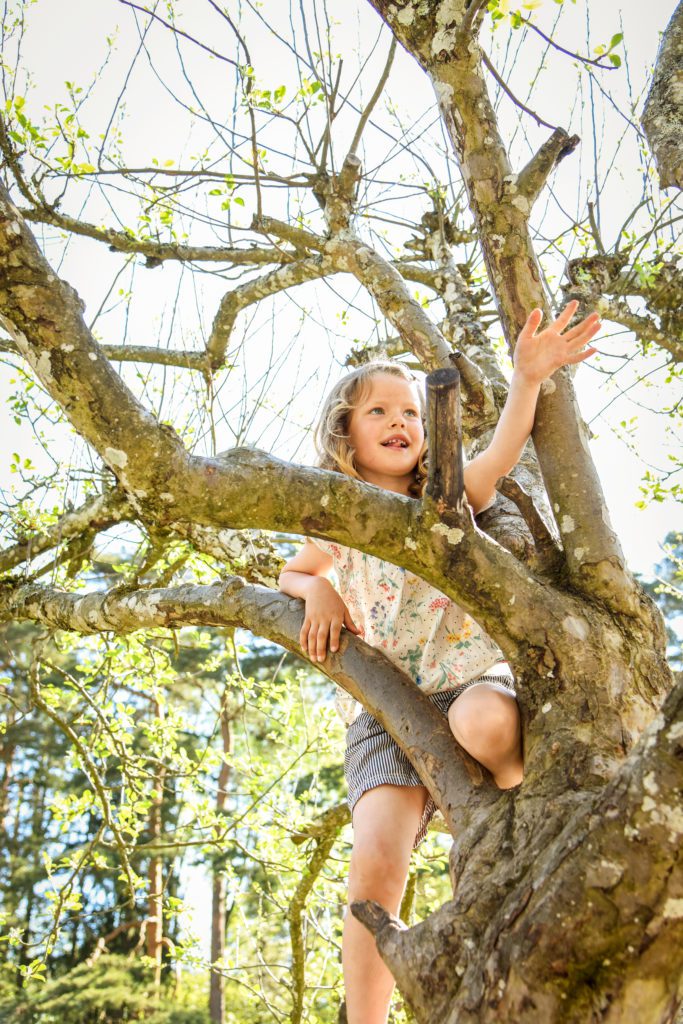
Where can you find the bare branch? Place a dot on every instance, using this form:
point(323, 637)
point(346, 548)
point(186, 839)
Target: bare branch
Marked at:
point(187, 360)
point(550, 556)
point(373, 99)
point(179, 32)
point(157, 252)
point(298, 237)
point(517, 102)
point(254, 291)
point(534, 175)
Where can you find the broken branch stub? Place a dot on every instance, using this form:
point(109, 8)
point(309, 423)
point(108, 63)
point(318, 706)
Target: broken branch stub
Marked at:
point(444, 431)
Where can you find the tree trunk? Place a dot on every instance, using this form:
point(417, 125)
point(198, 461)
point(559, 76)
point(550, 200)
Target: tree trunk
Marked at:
point(662, 118)
point(155, 920)
point(218, 895)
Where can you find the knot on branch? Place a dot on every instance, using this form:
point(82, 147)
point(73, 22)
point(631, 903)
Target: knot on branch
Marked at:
point(337, 194)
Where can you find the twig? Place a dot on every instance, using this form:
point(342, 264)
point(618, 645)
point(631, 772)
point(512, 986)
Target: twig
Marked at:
point(595, 230)
point(179, 32)
point(248, 89)
point(373, 99)
point(577, 56)
point(91, 771)
point(505, 87)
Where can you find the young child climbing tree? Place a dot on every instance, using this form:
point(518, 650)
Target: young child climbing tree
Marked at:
point(372, 427)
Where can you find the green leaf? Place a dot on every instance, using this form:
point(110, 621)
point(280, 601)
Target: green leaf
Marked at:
point(615, 59)
point(615, 40)
point(238, 200)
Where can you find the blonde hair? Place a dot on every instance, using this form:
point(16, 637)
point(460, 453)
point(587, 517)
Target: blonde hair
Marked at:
point(330, 434)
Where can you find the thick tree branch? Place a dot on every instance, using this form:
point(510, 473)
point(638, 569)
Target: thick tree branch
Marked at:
point(662, 118)
point(364, 672)
point(185, 359)
point(445, 480)
point(385, 284)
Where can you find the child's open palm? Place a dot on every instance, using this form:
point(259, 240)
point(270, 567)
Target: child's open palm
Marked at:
point(537, 356)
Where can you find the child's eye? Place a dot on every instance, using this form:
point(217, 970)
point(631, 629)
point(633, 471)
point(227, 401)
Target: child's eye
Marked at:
point(378, 408)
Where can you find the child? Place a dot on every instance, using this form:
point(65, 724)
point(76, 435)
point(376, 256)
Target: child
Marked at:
point(372, 428)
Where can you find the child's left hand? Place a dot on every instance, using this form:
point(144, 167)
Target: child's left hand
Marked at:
point(537, 356)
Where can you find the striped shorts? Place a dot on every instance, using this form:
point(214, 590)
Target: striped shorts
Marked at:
point(372, 758)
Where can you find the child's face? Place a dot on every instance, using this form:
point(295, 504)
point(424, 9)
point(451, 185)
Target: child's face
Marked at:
point(390, 410)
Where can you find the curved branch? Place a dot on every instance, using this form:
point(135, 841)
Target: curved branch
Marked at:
point(97, 514)
point(253, 291)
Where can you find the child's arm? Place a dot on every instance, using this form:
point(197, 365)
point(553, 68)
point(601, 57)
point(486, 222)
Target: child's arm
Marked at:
point(536, 357)
point(305, 576)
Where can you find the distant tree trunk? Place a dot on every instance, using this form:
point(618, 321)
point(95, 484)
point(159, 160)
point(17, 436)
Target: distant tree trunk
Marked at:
point(7, 764)
point(155, 920)
point(218, 904)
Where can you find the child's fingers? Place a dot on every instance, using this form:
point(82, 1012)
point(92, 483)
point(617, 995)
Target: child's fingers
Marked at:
point(580, 356)
point(533, 322)
point(334, 635)
point(566, 315)
point(321, 641)
point(587, 328)
point(349, 623)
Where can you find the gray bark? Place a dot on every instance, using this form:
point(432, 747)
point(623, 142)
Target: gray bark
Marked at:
point(662, 118)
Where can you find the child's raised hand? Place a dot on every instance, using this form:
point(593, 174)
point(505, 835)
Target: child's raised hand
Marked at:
point(325, 615)
point(537, 356)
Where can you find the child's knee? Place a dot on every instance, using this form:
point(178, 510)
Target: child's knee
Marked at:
point(377, 868)
point(488, 719)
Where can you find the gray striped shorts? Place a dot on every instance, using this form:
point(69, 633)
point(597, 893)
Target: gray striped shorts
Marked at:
point(372, 758)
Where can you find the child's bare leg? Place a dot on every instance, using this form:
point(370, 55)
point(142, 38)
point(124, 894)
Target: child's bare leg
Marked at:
point(486, 723)
point(385, 821)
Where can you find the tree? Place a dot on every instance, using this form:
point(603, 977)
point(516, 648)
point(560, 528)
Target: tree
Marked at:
point(589, 844)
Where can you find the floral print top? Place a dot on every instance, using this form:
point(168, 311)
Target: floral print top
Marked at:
point(421, 630)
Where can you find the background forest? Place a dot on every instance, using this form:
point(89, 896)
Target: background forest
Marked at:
point(173, 798)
